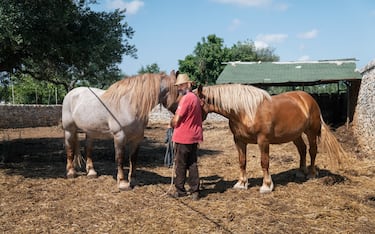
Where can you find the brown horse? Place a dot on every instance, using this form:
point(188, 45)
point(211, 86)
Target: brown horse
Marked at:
point(120, 112)
point(255, 117)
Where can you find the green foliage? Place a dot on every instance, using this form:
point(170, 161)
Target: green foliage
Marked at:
point(331, 88)
point(62, 42)
point(207, 61)
point(247, 52)
point(205, 64)
point(153, 68)
point(26, 90)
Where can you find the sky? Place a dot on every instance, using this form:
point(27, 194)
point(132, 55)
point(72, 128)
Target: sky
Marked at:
point(166, 31)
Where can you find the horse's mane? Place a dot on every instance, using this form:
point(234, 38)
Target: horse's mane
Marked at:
point(142, 92)
point(236, 98)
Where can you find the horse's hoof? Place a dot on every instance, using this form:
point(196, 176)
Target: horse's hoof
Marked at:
point(313, 173)
point(71, 174)
point(241, 185)
point(92, 174)
point(266, 189)
point(124, 186)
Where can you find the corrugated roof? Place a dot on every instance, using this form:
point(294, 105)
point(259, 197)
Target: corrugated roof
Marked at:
point(289, 72)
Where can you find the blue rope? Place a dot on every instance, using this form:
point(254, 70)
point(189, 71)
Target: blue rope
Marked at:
point(169, 155)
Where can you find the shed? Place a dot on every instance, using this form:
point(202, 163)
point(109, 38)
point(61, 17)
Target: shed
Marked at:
point(303, 73)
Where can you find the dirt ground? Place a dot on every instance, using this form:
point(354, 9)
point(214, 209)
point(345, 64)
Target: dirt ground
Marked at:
point(35, 196)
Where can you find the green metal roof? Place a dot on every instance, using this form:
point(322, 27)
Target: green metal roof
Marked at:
point(322, 71)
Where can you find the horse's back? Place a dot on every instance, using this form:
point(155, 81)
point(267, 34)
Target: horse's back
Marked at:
point(290, 114)
point(307, 104)
point(303, 105)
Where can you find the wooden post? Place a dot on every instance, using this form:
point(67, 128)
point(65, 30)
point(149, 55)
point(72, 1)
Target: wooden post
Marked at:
point(347, 103)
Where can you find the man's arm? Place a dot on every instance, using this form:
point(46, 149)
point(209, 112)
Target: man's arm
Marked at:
point(174, 121)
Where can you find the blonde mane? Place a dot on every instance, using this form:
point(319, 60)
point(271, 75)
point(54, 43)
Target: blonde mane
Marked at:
point(236, 98)
point(142, 90)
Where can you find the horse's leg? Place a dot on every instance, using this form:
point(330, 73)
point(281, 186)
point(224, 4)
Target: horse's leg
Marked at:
point(241, 148)
point(301, 147)
point(91, 173)
point(312, 151)
point(70, 147)
point(134, 149)
point(119, 142)
point(264, 147)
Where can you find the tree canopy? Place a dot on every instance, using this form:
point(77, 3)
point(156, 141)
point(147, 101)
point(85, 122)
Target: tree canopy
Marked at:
point(152, 68)
point(63, 42)
point(206, 62)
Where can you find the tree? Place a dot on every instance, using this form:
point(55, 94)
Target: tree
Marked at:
point(205, 64)
point(247, 52)
point(207, 61)
point(27, 90)
point(63, 42)
point(153, 68)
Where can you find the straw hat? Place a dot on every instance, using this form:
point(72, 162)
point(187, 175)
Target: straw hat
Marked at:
point(182, 79)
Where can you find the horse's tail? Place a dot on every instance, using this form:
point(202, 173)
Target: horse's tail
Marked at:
point(78, 160)
point(338, 158)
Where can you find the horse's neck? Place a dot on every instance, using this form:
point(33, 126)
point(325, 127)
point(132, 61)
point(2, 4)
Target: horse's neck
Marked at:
point(237, 116)
point(141, 106)
point(218, 110)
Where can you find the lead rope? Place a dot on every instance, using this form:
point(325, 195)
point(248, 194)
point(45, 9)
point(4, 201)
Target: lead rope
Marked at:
point(169, 158)
point(171, 184)
point(169, 154)
point(105, 106)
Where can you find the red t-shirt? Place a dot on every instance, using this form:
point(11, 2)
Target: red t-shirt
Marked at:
point(189, 129)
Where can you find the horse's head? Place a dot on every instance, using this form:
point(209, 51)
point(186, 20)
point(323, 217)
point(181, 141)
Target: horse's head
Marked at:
point(202, 98)
point(168, 96)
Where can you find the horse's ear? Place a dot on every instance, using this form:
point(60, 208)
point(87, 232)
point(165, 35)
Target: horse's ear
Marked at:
point(177, 72)
point(200, 88)
point(172, 73)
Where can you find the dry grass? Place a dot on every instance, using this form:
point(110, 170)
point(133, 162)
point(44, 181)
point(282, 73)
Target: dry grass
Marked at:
point(36, 198)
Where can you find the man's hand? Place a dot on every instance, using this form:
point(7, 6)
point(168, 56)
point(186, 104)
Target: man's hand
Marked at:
point(175, 120)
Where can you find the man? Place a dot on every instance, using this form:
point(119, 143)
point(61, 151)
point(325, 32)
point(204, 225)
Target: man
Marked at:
point(188, 132)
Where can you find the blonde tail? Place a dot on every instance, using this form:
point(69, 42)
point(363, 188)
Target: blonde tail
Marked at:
point(338, 158)
point(78, 161)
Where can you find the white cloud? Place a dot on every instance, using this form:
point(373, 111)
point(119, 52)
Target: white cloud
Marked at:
point(263, 40)
point(304, 58)
point(256, 3)
point(250, 3)
point(309, 35)
point(234, 24)
point(260, 44)
point(272, 38)
point(282, 7)
point(131, 7)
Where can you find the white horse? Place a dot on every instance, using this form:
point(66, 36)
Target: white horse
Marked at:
point(120, 112)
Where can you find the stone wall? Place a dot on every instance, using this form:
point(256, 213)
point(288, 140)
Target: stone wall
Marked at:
point(31, 116)
point(364, 117)
point(28, 116)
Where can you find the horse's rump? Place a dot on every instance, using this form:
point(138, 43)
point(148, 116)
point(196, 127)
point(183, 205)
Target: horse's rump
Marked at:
point(296, 111)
